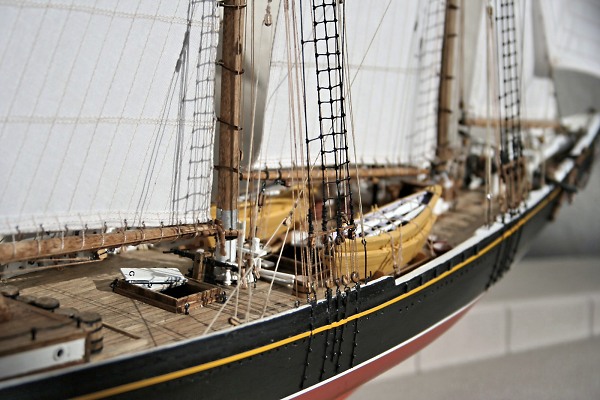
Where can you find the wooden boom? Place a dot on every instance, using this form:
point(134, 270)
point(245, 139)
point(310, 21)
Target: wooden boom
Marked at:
point(57, 246)
point(524, 123)
point(376, 172)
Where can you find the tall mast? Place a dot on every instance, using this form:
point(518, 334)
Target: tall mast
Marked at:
point(446, 78)
point(231, 111)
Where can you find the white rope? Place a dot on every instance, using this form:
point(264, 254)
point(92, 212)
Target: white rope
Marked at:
point(275, 272)
point(233, 294)
point(488, 128)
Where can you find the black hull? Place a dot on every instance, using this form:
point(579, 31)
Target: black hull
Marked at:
point(281, 356)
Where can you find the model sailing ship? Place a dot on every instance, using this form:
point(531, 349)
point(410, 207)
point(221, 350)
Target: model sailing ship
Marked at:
point(388, 164)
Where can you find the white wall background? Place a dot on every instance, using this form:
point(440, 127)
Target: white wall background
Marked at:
point(576, 230)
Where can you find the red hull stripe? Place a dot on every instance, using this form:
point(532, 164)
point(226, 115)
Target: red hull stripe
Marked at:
point(342, 385)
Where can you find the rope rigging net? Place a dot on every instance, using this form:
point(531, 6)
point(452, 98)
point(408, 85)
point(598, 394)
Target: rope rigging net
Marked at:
point(337, 211)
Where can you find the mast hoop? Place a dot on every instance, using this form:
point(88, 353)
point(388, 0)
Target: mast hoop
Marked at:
point(226, 168)
point(235, 127)
point(234, 6)
point(221, 64)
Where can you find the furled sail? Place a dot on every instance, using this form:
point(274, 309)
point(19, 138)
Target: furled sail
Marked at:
point(390, 127)
point(106, 114)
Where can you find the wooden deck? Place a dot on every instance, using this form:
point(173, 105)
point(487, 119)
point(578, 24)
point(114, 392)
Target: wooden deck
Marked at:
point(130, 325)
point(458, 224)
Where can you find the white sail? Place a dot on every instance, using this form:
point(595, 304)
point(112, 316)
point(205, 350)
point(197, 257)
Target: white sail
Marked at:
point(570, 28)
point(560, 63)
point(571, 33)
point(393, 74)
point(89, 118)
point(536, 92)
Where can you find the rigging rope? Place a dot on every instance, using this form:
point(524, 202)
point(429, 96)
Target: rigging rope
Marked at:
point(511, 142)
point(353, 136)
point(337, 208)
point(423, 134)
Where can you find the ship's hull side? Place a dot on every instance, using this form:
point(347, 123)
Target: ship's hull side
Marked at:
point(300, 351)
point(343, 384)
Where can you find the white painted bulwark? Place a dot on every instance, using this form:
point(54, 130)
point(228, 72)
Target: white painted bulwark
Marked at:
point(42, 358)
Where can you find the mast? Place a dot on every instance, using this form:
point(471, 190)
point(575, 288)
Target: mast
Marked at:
point(446, 79)
point(231, 111)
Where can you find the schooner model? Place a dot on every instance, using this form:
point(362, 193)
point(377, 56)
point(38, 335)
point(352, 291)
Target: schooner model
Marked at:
point(271, 199)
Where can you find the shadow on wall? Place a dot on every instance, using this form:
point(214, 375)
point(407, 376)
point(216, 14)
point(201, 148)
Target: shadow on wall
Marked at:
point(576, 230)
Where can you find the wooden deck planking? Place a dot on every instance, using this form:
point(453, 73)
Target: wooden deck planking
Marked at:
point(459, 223)
point(132, 325)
